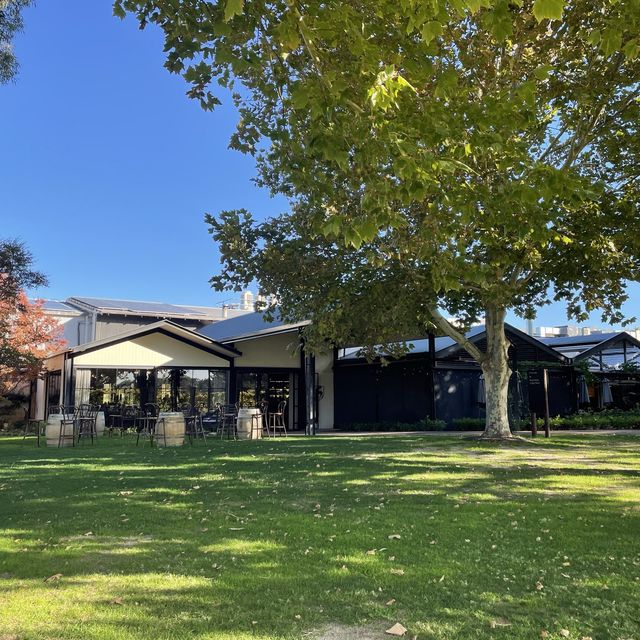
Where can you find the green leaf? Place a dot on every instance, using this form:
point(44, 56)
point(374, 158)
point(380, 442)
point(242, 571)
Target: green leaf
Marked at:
point(611, 41)
point(543, 71)
point(548, 9)
point(632, 49)
point(233, 8)
point(431, 30)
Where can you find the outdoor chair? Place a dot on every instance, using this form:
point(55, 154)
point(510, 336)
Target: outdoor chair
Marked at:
point(66, 418)
point(264, 417)
point(228, 421)
point(113, 419)
point(276, 419)
point(129, 418)
point(32, 427)
point(84, 422)
point(146, 422)
point(194, 427)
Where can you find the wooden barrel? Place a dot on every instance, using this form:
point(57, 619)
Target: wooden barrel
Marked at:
point(170, 429)
point(249, 426)
point(100, 423)
point(52, 432)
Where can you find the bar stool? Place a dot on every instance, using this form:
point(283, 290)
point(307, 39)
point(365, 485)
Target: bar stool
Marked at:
point(32, 427)
point(276, 418)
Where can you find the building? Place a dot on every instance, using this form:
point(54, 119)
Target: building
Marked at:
point(86, 319)
point(248, 359)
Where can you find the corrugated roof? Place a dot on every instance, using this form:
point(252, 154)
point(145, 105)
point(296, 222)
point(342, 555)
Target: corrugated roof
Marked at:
point(594, 338)
point(247, 326)
point(107, 305)
point(57, 305)
point(422, 345)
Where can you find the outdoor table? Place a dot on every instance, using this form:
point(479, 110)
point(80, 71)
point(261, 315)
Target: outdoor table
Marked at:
point(249, 423)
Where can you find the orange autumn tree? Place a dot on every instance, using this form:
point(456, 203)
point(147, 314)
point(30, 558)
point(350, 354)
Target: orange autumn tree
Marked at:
point(28, 336)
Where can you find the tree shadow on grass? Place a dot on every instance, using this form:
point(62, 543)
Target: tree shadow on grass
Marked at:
point(207, 543)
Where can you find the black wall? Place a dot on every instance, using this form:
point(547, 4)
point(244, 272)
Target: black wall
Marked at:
point(371, 393)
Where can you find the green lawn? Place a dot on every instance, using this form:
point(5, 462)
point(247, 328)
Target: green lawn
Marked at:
point(279, 539)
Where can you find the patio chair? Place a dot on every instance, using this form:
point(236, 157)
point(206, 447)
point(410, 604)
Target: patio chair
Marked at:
point(84, 422)
point(264, 417)
point(146, 422)
point(32, 427)
point(194, 427)
point(66, 418)
point(129, 418)
point(276, 418)
point(228, 421)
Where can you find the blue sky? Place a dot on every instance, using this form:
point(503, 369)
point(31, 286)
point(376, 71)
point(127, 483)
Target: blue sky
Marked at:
point(107, 168)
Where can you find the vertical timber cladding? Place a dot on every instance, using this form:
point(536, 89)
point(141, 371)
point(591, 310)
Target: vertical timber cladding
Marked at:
point(371, 393)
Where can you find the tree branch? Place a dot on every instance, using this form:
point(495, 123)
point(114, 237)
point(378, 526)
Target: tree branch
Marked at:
point(440, 321)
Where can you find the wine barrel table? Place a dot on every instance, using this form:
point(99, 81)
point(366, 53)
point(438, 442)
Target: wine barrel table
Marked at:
point(170, 429)
point(249, 423)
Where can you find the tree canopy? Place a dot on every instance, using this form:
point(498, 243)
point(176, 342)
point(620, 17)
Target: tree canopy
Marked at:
point(471, 156)
point(27, 334)
point(10, 24)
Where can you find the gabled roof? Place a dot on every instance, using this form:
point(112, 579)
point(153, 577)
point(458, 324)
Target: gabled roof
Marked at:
point(250, 325)
point(607, 343)
point(446, 346)
point(566, 341)
point(149, 309)
point(166, 327)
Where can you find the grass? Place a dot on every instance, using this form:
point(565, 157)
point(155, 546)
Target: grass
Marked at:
point(277, 539)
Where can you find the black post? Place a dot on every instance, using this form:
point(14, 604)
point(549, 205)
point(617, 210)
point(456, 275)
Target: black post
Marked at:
point(432, 374)
point(545, 382)
point(310, 394)
point(534, 424)
point(232, 382)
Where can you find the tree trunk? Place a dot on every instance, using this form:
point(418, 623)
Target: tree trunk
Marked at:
point(496, 371)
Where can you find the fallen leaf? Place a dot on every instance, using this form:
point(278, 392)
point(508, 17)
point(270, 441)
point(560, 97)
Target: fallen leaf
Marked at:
point(565, 633)
point(117, 600)
point(54, 578)
point(390, 602)
point(396, 630)
point(371, 552)
point(544, 634)
point(397, 572)
point(539, 586)
point(394, 536)
point(500, 622)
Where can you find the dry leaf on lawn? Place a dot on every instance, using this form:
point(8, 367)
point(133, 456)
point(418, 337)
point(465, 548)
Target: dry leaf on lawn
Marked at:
point(117, 600)
point(565, 633)
point(397, 572)
point(54, 578)
point(396, 630)
point(390, 602)
point(394, 536)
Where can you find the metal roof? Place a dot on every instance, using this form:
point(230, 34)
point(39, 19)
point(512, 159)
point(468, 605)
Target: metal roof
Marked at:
point(250, 325)
point(57, 305)
point(138, 307)
point(445, 345)
point(574, 341)
point(422, 345)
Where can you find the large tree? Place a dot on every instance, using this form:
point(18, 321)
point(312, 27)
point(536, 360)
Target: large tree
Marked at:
point(441, 157)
